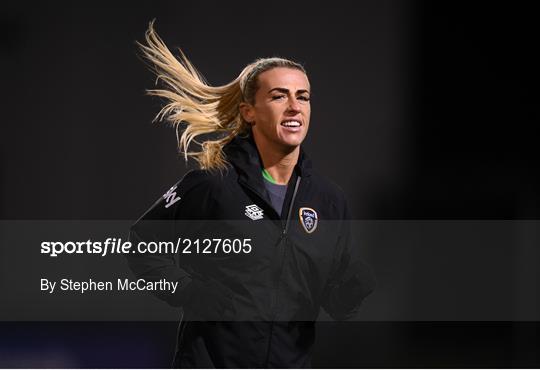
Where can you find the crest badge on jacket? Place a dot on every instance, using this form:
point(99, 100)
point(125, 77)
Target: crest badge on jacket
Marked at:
point(308, 219)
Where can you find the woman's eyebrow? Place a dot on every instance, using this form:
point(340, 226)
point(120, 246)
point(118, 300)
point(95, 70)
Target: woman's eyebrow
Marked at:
point(286, 91)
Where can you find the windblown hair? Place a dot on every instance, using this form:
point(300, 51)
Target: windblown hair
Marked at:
point(198, 110)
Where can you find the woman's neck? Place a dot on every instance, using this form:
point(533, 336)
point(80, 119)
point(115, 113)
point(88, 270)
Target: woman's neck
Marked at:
point(280, 165)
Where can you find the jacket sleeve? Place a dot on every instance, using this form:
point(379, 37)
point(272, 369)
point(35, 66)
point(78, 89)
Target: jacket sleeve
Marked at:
point(351, 280)
point(183, 204)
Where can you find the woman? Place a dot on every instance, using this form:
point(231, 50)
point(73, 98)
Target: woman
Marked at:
point(253, 306)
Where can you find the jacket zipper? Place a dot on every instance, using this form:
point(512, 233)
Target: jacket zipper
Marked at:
point(281, 261)
point(281, 238)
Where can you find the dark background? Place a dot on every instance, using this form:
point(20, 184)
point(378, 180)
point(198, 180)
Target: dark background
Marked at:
point(420, 110)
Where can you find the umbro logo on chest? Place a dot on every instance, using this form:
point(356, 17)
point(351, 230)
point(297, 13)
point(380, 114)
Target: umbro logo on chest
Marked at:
point(254, 212)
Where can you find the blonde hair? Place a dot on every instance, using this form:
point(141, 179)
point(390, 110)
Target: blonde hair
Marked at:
point(201, 109)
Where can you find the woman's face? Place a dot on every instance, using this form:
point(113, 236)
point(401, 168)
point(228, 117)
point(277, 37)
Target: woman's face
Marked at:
point(280, 115)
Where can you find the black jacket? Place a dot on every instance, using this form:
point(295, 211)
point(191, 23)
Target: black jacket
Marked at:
point(254, 309)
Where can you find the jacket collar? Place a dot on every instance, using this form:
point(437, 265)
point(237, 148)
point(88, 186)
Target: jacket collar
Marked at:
point(242, 153)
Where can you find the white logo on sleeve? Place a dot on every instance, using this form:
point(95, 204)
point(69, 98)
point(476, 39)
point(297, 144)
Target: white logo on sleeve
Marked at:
point(170, 197)
point(254, 212)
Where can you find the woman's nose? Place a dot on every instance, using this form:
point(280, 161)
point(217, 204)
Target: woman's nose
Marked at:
point(293, 104)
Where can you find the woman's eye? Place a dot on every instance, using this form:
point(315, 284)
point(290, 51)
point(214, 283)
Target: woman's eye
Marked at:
point(275, 97)
point(304, 98)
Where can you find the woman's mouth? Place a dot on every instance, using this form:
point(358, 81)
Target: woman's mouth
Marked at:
point(291, 125)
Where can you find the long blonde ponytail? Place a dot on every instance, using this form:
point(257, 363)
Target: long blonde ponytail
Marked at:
point(198, 108)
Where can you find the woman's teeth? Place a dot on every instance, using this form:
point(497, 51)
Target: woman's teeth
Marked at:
point(290, 124)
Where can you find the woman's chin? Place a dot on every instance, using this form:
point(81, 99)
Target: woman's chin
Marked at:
point(292, 140)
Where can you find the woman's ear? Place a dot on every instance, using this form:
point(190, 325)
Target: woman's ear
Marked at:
point(247, 112)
